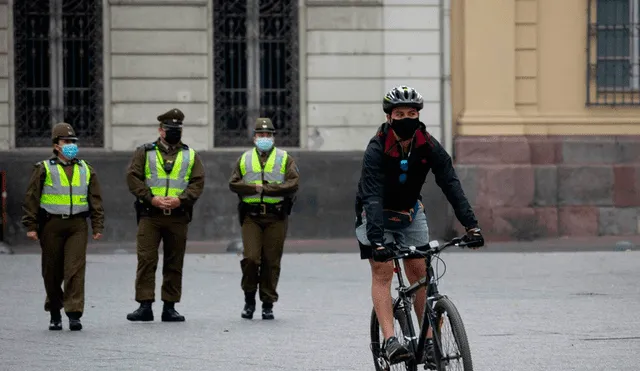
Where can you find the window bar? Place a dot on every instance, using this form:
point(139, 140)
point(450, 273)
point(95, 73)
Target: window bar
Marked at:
point(56, 67)
point(253, 64)
point(633, 49)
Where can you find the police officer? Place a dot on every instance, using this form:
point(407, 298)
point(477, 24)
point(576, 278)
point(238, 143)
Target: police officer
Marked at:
point(265, 179)
point(167, 178)
point(62, 193)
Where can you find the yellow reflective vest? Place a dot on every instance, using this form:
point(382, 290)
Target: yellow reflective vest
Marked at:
point(273, 172)
point(61, 197)
point(174, 183)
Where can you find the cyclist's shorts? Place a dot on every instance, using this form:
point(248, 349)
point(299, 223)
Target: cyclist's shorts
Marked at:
point(416, 234)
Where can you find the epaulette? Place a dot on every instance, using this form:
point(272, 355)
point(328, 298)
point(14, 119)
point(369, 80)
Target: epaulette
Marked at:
point(184, 146)
point(149, 146)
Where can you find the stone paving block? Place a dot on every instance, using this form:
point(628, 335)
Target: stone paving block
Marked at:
point(492, 150)
point(585, 185)
point(523, 223)
point(626, 187)
point(505, 186)
point(587, 150)
point(546, 185)
point(619, 221)
point(628, 149)
point(578, 221)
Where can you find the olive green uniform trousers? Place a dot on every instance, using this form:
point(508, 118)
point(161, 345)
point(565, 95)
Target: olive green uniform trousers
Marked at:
point(263, 239)
point(172, 231)
point(64, 259)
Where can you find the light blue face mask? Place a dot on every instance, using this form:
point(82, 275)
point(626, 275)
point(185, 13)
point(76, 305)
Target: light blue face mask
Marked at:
point(70, 151)
point(264, 144)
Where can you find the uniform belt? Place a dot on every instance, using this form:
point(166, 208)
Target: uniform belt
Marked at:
point(264, 209)
point(164, 212)
point(68, 216)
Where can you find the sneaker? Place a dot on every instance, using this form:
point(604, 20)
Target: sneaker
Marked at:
point(395, 351)
point(430, 360)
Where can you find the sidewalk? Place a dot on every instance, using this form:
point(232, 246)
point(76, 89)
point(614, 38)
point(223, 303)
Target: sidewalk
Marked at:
point(349, 245)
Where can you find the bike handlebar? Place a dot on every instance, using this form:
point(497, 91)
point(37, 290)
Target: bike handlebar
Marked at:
point(403, 252)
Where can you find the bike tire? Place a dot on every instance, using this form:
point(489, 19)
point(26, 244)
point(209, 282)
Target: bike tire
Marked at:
point(377, 343)
point(445, 305)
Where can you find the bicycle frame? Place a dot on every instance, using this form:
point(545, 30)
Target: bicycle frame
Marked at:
point(429, 316)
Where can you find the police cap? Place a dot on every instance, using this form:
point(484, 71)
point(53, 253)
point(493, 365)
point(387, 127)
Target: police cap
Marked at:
point(172, 118)
point(63, 130)
point(264, 125)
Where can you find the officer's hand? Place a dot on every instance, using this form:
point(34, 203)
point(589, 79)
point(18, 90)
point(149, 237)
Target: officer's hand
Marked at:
point(259, 188)
point(32, 235)
point(173, 202)
point(382, 253)
point(97, 236)
point(159, 202)
point(473, 239)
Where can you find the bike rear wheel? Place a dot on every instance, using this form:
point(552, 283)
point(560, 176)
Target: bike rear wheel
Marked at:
point(377, 342)
point(455, 353)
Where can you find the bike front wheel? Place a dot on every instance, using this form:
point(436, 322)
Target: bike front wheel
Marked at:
point(452, 351)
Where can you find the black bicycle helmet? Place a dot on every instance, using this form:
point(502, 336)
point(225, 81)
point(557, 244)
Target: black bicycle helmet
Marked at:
point(402, 96)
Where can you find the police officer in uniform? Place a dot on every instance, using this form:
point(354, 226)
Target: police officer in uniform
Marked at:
point(167, 178)
point(265, 179)
point(62, 193)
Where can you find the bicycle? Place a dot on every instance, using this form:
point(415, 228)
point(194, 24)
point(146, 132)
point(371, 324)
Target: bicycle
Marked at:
point(437, 306)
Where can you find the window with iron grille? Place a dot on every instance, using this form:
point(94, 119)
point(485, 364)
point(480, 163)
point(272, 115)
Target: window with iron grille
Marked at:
point(255, 69)
point(58, 70)
point(614, 52)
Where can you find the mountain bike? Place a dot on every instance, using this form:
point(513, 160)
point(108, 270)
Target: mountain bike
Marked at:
point(440, 314)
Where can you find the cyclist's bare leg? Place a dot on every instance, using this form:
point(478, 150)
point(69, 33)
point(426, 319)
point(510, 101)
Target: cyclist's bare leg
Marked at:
point(381, 278)
point(415, 269)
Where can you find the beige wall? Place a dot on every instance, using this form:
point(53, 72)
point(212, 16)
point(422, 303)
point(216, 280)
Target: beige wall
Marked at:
point(519, 68)
point(5, 132)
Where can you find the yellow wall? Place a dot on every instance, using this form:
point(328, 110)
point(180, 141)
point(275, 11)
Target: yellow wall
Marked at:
point(519, 68)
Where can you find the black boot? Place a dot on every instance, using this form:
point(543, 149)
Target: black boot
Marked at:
point(74, 321)
point(169, 314)
point(247, 311)
point(143, 313)
point(249, 305)
point(267, 311)
point(56, 321)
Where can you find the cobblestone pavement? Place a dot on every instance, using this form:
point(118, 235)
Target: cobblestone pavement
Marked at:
point(522, 311)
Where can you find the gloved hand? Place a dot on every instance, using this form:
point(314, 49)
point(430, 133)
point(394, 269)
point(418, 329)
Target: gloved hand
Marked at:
point(382, 253)
point(473, 239)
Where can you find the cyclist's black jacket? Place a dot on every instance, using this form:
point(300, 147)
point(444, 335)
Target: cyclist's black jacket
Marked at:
point(380, 188)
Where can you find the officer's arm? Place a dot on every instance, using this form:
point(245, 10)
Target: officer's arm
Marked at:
point(196, 184)
point(237, 184)
point(31, 203)
point(372, 179)
point(95, 203)
point(135, 176)
point(447, 180)
point(290, 184)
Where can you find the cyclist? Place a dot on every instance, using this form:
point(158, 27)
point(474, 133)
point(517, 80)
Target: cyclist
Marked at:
point(388, 204)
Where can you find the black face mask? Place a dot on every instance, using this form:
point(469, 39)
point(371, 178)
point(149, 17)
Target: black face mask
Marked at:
point(173, 136)
point(405, 128)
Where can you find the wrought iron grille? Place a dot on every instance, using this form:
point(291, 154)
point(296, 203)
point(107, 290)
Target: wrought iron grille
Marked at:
point(58, 70)
point(613, 52)
point(255, 69)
